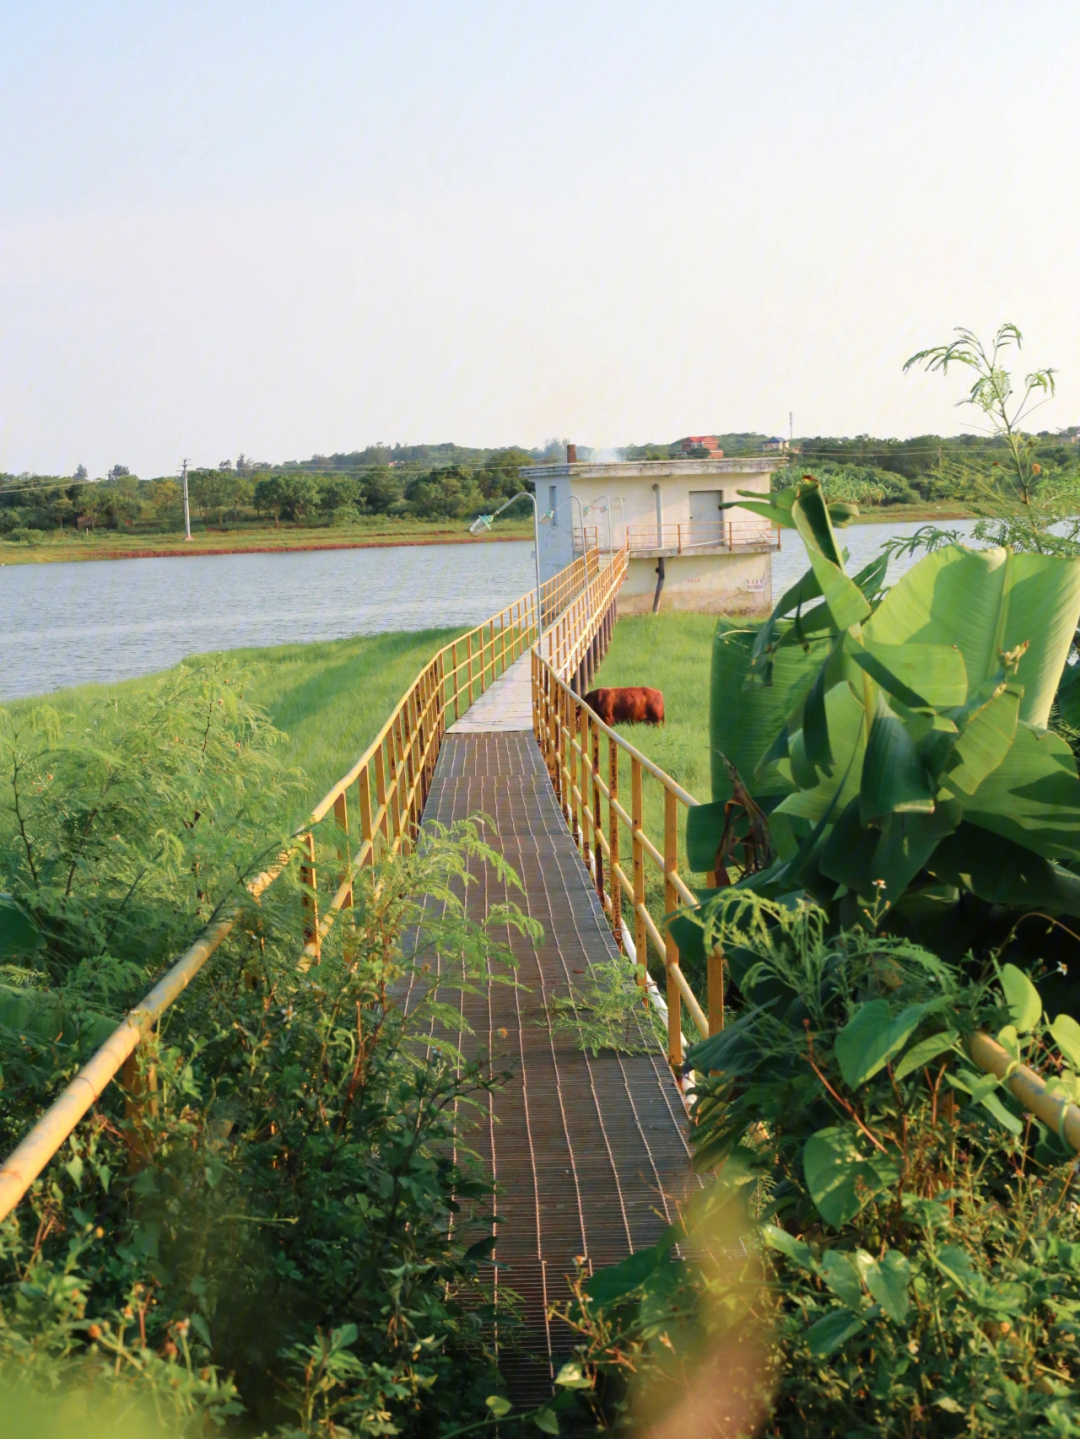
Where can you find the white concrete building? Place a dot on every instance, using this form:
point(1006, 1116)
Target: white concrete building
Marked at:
point(685, 552)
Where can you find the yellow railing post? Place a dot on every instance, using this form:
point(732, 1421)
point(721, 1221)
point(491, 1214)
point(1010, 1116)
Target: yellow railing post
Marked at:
point(598, 823)
point(715, 997)
point(671, 951)
point(309, 895)
point(638, 851)
point(382, 806)
point(341, 816)
point(613, 843)
point(584, 785)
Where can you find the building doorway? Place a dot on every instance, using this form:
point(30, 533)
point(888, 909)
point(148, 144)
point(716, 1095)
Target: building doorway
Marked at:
point(706, 517)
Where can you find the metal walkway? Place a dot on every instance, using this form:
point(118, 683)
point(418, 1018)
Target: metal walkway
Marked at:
point(589, 1154)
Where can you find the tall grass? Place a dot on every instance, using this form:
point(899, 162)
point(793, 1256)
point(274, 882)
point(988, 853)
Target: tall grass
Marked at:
point(329, 698)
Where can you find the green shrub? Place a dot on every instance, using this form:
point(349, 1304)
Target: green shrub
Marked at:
point(289, 1232)
point(900, 1241)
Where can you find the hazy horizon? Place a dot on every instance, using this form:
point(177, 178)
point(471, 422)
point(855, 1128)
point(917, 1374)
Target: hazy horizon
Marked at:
point(288, 230)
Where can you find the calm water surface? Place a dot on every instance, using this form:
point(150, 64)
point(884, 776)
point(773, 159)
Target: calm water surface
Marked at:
point(863, 542)
point(103, 620)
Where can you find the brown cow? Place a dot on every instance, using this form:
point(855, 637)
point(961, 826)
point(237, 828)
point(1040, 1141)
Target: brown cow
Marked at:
point(634, 704)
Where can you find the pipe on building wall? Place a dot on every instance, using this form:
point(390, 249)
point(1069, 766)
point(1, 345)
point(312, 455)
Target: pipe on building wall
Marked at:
point(659, 585)
point(659, 517)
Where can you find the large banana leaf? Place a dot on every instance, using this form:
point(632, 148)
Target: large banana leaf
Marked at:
point(744, 722)
point(985, 602)
point(909, 731)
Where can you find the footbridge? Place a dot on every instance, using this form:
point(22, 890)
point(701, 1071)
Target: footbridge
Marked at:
point(589, 1152)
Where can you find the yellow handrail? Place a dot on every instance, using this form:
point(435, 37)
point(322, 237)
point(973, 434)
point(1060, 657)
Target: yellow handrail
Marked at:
point(392, 779)
point(569, 735)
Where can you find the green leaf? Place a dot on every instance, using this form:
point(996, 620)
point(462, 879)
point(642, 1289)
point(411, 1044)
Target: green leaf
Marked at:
point(19, 935)
point(984, 602)
point(773, 513)
point(835, 1329)
point(955, 1263)
point(840, 1179)
point(794, 1249)
point(1005, 1117)
point(744, 723)
point(1022, 997)
point(908, 842)
point(499, 1406)
point(847, 603)
point(871, 1037)
point(1002, 872)
point(546, 1421)
point(617, 1280)
point(922, 1053)
point(918, 675)
point(811, 516)
point(1068, 695)
point(893, 778)
point(949, 1404)
point(1032, 796)
point(841, 1276)
point(572, 1376)
point(847, 736)
point(704, 830)
point(888, 1281)
point(983, 742)
point(815, 729)
point(1066, 1032)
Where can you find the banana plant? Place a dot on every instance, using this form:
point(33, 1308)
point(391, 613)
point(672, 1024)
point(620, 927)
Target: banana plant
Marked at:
point(909, 759)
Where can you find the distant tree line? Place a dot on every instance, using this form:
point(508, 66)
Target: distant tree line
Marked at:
point(451, 482)
point(31, 506)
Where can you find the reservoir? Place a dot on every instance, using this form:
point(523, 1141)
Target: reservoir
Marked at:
point(103, 620)
point(93, 621)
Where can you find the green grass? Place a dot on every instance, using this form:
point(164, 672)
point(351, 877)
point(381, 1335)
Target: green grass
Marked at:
point(672, 653)
point(330, 698)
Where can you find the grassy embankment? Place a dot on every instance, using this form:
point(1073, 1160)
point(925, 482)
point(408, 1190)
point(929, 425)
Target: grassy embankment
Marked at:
point(134, 544)
point(329, 698)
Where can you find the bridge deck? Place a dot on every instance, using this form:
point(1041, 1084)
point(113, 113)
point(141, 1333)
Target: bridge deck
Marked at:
point(588, 1153)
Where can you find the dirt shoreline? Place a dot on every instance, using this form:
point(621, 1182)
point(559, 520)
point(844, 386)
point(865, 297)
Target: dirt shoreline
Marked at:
point(187, 551)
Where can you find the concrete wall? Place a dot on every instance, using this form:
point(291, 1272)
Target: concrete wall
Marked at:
point(709, 584)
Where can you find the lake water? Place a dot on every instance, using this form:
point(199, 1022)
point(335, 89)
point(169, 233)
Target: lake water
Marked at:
point(103, 620)
point(863, 543)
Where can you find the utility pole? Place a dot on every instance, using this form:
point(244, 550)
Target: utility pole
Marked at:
point(791, 428)
point(187, 507)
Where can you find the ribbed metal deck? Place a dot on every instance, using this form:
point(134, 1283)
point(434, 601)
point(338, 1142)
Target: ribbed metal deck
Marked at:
point(588, 1154)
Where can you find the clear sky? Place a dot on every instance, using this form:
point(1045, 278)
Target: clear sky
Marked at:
point(285, 228)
